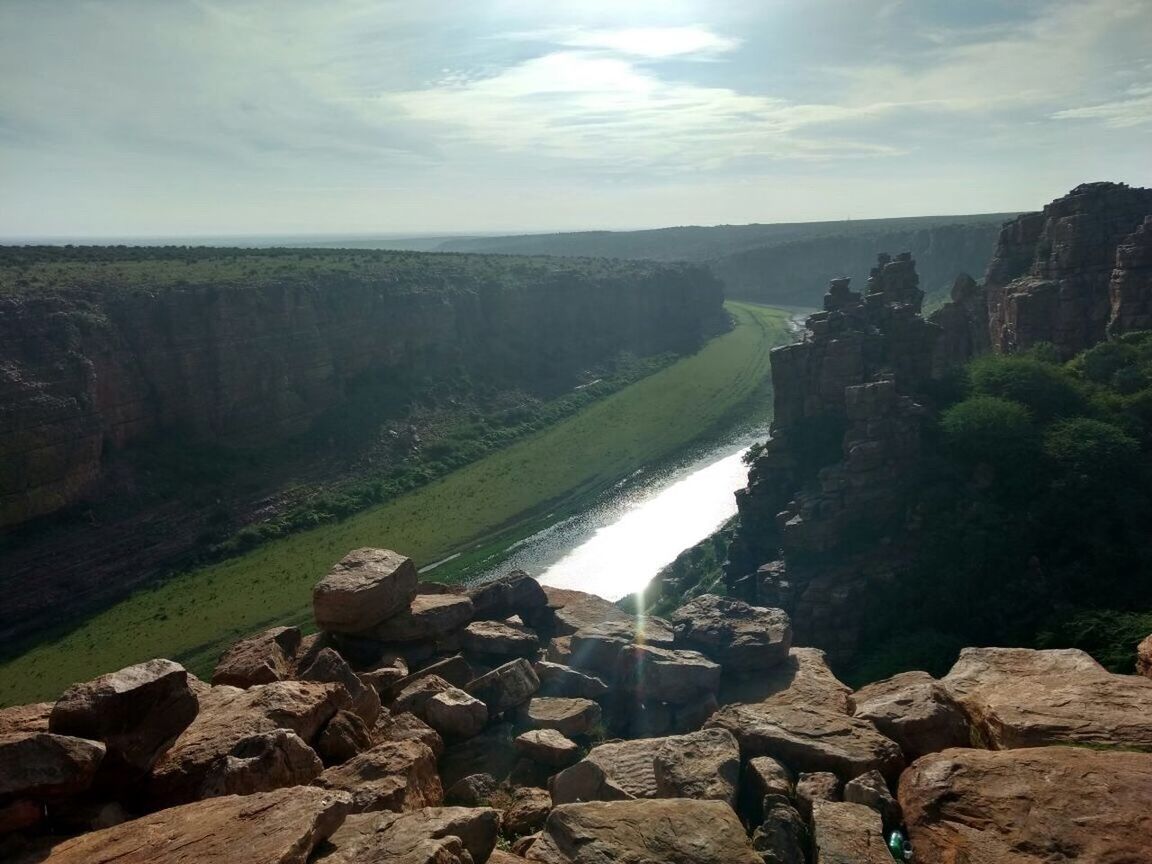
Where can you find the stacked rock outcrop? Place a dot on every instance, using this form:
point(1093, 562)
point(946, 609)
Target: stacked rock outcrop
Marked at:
point(704, 738)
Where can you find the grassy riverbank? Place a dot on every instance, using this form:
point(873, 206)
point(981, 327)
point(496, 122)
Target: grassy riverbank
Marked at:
point(194, 615)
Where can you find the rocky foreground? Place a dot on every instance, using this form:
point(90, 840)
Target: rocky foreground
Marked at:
point(509, 722)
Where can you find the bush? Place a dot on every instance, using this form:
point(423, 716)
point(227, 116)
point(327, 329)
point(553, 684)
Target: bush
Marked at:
point(1091, 450)
point(1046, 390)
point(988, 429)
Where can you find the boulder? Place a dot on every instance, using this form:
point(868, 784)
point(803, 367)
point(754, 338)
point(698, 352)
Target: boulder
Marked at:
point(44, 766)
point(803, 677)
point(394, 776)
point(764, 776)
point(414, 697)
point(281, 827)
point(742, 638)
point(666, 674)
point(810, 738)
point(475, 790)
point(25, 719)
point(669, 830)
point(260, 659)
point(500, 639)
point(872, 791)
point(260, 763)
point(499, 856)
point(327, 666)
point(505, 687)
point(557, 679)
point(548, 747)
point(408, 838)
point(429, 616)
point(1144, 657)
point(406, 727)
point(345, 736)
point(575, 610)
point(559, 650)
point(1033, 806)
point(782, 836)
point(491, 752)
point(588, 781)
point(455, 714)
point(455, 670)
point(19, 815)
point(385, 672)
point(137, 713)
point(569, 717)
point(817, 786)
point(514, 594)
point(596, 649)
point(844, 833)
point(916, 711)
point(527, 811)
point(229, 717)
point(1017, 697)
point(365, 588)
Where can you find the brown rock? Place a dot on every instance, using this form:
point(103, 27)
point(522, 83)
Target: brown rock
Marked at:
point(527, 811)
point(491, 752)
point(20, 815)
point(569, 717)
point(559, 650)
point(499, 856)
point(407, 727)
point(577, 610)
point(281, 827)
point(366, 588)
point(455, 670)
point(548, 747)
point(411, 837)
point(1143, 658)
point(810, 738)
point(327, 666)
point(803, 677)
point(475, 790)
point(345, 736)
point(505, 687)
point(414, 697)
point(1017, 697)
point(25, 719)
point(137, 712)
point(557, 679)
point(1034, 806)
point(667, 675)
point(384, 674)
point(394, 776)
point(817, 786)
point(596, 649)
point(514, 594)
point(588, 781)
point(430, 616)
point(916, 711)
point(453, 713)
point(670, 830)
point(740, 637)
point(228, 717)
point(499, 638)
point(765, 776)
point(782, 838)
point(871, 790)
point(260, 763)
point(848, 834)
point(43, 766)
point(260, 659)
point(703, 765)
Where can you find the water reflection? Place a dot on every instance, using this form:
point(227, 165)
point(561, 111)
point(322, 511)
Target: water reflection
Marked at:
point(616, 548)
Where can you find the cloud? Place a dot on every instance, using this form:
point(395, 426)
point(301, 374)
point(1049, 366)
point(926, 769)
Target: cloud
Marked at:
point(1134, 110)
point(655, 43)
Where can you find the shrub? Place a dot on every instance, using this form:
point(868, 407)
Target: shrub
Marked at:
point(988, 429)
point(1047, 390)
point(1091, 450)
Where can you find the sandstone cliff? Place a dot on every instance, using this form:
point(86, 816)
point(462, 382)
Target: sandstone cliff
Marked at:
point(91, 367)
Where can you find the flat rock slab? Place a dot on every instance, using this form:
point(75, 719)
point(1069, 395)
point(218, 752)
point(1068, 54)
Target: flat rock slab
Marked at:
point(25, 719)
point(667, 675)
point(406, 837)
point(260, 659)
point(138, 712)
point(742, 638)
point(505, 687)
point(392, 776)
point(548, 747)
point(1017, 697)
point(668, 830)
point(845, 833)
point(569, 717)
point(430, 616)
point(810, 739)
point(44, 766)
point(365, 588)
point(514, 594)
point(500, 638)
point(916, 711)
point(575, 610)
point(596, 649)
point(803, 677)
point(281, 827)
point(556, 679)
point(1045, 805)
point(455, 714)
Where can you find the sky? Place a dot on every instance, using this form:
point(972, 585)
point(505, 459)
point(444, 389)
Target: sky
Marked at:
point(195, 117)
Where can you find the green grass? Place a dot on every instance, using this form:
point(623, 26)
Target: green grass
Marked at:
point(194, 615)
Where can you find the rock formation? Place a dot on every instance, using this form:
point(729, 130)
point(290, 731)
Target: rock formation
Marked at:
point(742, 751)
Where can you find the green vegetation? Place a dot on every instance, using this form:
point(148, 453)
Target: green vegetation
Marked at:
point(192, 616)
point(1035, 515)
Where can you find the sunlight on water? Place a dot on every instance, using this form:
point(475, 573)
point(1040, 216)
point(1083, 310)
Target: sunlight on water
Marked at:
point(621, 557)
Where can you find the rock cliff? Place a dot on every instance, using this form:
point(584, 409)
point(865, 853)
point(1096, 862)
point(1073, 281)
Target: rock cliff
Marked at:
point(87, 368)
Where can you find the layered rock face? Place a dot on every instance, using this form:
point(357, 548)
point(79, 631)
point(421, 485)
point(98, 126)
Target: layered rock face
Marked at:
point(1052, 278)
point(723, 745)
point(83, 370)
point(844, 442)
